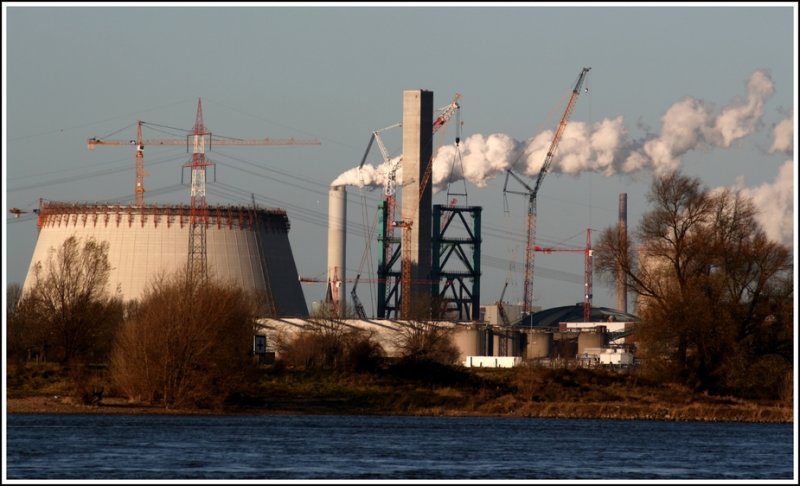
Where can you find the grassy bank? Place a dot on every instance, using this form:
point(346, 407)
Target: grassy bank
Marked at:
point(423, 389)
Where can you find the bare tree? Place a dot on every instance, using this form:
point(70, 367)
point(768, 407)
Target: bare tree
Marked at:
point(15, 329)
point(711, 287)
point(13, 296)
point(426, 341)
point(188, 343)
point(68, 311)
point(330, 344)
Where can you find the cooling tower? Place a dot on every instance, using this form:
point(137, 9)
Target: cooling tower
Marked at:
point(245, 246)
point(337, 219)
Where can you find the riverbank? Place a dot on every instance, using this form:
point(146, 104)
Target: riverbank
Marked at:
point(619, 411)
point(586, 394)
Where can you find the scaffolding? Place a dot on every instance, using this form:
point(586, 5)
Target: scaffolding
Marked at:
point(456, 265)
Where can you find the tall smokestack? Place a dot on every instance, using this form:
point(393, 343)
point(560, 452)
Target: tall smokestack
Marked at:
point(622, 289)
point(416, 206)
point(337, 219)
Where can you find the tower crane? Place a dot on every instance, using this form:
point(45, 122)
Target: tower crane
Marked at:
point(531, 193)
point(197, 139)
point(588, 252)
point(389, 182)
point(141, 142)
point(587, 270)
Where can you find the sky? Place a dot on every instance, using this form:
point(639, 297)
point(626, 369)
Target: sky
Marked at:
point(704, 88)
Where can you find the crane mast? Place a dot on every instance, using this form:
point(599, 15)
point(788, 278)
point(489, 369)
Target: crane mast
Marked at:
point(532, 193)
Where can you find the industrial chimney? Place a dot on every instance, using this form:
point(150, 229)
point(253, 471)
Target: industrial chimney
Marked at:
point(337, 219)
point(622, 289)
point(416, 203)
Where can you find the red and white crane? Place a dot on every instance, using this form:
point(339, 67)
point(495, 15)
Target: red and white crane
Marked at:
point(531, 193)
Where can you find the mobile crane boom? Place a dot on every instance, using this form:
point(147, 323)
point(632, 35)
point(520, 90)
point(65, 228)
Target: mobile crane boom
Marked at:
point(527, 302)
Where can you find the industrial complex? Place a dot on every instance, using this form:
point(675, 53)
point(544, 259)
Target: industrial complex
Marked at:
point(429, 265)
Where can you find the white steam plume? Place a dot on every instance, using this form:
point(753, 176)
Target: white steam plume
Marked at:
point(741, 118)
point(774, 204)
point(601, 147)
point(366, 176)
point(783, 136)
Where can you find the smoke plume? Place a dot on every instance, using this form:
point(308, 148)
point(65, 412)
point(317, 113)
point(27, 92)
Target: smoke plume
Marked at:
point(603, 147)
point(774, 204)
point(783, 137)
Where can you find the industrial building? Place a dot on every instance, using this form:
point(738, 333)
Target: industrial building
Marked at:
point(246, 246)
point(480, 343)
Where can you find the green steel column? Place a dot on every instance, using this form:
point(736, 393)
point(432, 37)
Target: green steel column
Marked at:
point(382, 270)
point(436, 271)
point(476, 264)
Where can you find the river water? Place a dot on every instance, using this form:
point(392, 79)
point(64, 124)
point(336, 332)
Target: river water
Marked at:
point(136, 447)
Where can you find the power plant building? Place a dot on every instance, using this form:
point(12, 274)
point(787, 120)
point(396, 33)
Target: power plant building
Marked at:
point(246, 246)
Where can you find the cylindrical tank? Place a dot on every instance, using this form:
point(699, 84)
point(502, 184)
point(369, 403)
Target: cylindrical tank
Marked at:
point(590, 340)
point(337, 220)
point(539, 344)
point(245, 246)
point(467, 341)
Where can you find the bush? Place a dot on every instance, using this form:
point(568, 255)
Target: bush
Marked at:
point(187, 345)
point(427, 342)
point(67, 313)
point(330, 345)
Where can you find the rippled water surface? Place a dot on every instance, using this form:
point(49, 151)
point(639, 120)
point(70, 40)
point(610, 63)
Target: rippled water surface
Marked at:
point(368, 447)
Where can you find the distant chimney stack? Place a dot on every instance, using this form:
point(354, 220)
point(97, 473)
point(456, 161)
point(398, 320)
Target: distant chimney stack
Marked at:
point(337, 220)
point(622, 289)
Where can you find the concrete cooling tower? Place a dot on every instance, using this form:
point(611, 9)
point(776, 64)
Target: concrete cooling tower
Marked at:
point(245, 246)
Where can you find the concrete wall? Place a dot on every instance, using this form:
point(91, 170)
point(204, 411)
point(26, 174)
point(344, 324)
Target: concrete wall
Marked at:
point(492, 361)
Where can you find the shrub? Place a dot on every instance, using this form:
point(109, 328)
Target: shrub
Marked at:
point(188, 343)
point(331, 345)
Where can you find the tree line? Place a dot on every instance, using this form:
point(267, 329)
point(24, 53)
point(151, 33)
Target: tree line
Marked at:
point(185, 343)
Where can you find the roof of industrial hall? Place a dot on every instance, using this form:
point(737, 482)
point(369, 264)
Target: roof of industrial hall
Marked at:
point(574, 313)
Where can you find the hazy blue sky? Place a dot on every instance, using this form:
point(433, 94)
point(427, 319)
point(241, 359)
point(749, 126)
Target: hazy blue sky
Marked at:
point(704, 88)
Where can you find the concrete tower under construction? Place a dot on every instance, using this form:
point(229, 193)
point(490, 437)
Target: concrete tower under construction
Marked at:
point(416, 204)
